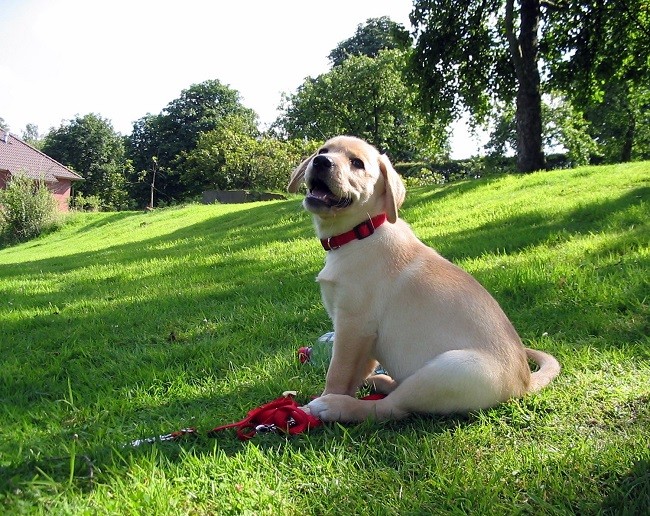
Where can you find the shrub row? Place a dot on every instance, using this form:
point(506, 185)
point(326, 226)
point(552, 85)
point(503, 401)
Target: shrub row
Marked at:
point(27, 208)
point(426, 173)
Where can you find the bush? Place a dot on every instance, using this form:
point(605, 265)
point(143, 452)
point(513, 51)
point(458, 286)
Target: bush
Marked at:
point(87, 202)
point(228, 159)
point(428, 173)
point(27, 208)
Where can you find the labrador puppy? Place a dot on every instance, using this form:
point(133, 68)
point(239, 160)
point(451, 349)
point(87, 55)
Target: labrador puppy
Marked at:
point(444, 340)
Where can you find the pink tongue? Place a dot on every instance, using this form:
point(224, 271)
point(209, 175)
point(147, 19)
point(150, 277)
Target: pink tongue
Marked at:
point(321, 195)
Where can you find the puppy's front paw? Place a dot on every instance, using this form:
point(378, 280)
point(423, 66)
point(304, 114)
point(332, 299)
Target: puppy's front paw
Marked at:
point(332, 407)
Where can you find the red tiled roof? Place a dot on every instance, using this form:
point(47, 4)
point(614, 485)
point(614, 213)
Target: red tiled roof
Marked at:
point(16, 156)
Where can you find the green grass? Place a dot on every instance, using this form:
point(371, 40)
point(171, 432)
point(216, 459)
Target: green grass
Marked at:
point(126, 325)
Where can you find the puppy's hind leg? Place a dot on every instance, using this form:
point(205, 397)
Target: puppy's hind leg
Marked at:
point(455, 381)
point(381, 383)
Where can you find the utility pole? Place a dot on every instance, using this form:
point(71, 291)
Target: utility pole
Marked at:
point(153, 181)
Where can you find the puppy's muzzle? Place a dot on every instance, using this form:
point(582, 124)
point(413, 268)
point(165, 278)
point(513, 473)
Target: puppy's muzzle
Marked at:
point(319, 194)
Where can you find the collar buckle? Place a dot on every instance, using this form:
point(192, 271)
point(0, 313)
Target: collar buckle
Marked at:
point(328, 245)
point(364, 230)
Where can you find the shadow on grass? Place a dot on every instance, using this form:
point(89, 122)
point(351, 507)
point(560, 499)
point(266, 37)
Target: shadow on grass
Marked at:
point(119, 335)
point(83, 467)
point(430, 195)
point(629, 494)
point(606, 303)
point(106, 219)
point(514, 233)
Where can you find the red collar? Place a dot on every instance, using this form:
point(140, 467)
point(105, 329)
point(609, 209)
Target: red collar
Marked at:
point(363, 230)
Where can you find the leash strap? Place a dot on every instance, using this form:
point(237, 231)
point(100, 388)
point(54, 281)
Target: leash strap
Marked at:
point(282, 414)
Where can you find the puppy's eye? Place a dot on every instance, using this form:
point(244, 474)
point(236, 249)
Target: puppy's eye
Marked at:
point(357, 163)
point(322, 151)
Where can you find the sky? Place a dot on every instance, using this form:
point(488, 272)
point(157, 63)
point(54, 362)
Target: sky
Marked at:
point(122, 59)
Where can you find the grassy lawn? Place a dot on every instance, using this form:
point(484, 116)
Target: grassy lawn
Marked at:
point(128, 325)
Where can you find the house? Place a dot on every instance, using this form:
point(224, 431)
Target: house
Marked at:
point(17, 157)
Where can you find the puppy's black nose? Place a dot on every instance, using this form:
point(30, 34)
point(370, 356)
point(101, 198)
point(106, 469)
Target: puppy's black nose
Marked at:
point(322, 162)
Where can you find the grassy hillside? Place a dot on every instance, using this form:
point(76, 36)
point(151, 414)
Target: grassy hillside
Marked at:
point(128, 325)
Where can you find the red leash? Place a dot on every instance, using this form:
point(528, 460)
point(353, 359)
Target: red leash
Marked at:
point(282, 414)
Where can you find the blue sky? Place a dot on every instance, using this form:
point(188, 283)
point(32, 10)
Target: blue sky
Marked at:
point(123, 59)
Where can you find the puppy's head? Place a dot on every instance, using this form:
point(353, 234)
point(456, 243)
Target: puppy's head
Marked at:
point(348, 176)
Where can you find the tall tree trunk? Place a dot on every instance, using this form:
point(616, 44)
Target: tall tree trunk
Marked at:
point(628, 140)
point(524, 53)
point(630, 130)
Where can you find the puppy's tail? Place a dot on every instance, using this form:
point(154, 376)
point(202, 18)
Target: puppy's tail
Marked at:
point(549, 368)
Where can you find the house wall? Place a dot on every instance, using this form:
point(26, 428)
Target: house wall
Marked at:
point(61, 192)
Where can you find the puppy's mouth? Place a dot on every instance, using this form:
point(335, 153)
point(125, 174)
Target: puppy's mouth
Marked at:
point(319, 195)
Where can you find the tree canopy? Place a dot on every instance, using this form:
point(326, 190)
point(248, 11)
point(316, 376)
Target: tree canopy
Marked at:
point(366, 97)
point(229, 158)
point(588, 44)
point(90, 146)
point(470, 53)
point(375, 35)
point(598, 54)
point(478, 55)
point(620, 122)
point(32, 136)
point(171, 135)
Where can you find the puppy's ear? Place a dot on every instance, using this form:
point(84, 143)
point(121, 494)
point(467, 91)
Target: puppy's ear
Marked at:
point(299, 174)
point(395, 190)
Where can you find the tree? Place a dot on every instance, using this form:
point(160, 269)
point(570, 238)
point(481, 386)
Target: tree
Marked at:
point(228, 158)
point(377, 34)
point(620, 122)
point(588, 44)
point(172, 134)
point(468, 53)
point(31, 135)
point(91, 147)
point(210, 163)
point(366, 97)
point(524, 49)
point(562, 125)
point(608, 73)
point(472, 54)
